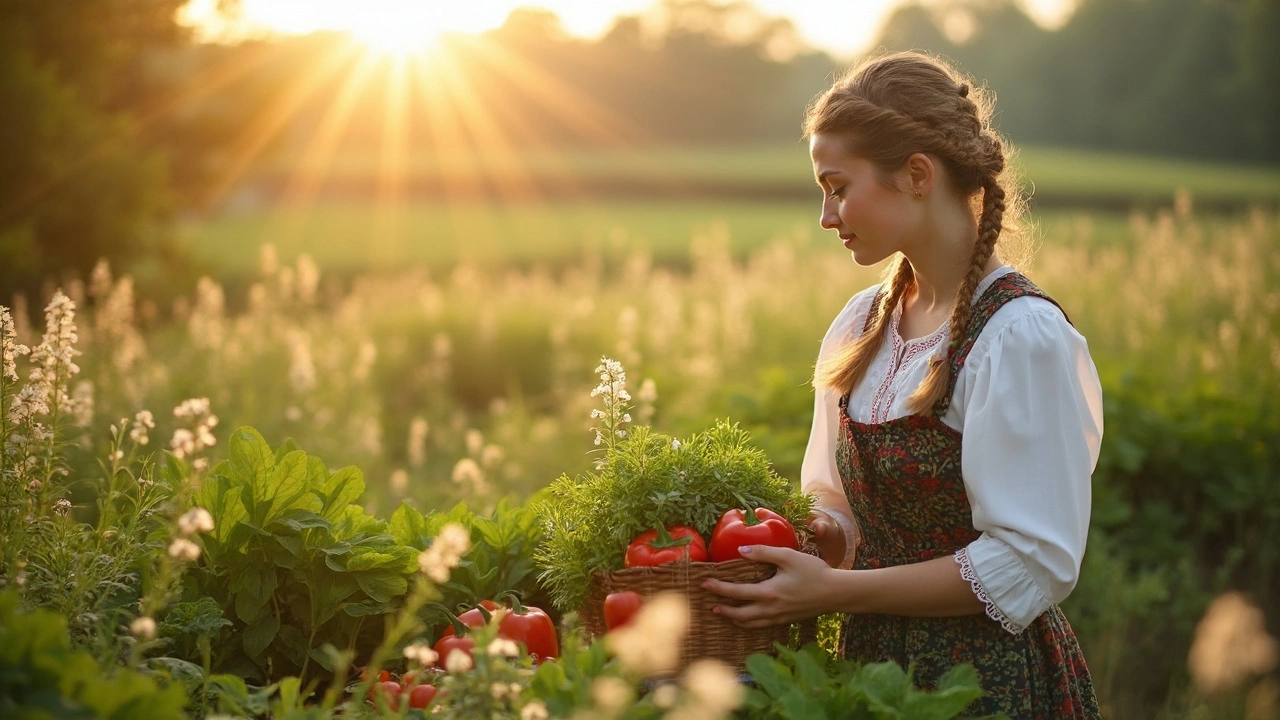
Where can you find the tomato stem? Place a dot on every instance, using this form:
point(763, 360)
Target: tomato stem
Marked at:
point(665, 540)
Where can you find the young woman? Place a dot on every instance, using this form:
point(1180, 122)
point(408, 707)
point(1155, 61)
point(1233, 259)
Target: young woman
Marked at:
point(958, 414)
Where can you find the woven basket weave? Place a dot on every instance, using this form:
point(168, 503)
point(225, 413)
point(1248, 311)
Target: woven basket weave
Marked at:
point(710, 635)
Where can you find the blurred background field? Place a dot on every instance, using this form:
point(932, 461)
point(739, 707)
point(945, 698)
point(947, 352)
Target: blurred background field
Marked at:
point(410, 256)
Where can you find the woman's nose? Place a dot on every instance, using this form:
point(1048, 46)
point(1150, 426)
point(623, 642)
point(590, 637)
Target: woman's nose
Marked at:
point(829, 220)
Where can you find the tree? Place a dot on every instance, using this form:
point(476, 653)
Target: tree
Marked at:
point(77, 179)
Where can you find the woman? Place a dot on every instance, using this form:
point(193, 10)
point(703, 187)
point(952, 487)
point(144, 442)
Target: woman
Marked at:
point(958, 414)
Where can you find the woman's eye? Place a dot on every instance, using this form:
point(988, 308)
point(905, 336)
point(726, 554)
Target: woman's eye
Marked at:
point(836, 192)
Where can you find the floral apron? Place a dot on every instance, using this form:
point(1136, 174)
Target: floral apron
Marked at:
point(903, 482)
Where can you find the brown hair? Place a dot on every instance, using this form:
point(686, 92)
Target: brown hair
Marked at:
point(886, 109)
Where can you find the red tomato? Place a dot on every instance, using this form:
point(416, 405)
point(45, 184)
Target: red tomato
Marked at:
point(421, 695)
point(736, 529)
point(663, 545)
point(383, 675)
point(619, 608)
point(450, 642)
point(534, 630)
point(388, 690)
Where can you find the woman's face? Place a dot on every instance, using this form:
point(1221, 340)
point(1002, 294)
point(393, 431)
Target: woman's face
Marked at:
point(873, 220)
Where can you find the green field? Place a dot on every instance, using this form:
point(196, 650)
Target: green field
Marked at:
point(761, 194)
point(784, 168)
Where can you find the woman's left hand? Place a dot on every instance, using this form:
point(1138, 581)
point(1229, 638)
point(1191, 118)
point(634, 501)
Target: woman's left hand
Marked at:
point(794, 593)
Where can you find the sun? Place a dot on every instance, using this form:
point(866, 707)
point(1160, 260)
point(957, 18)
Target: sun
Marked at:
point(394, 27)
point(389, 37)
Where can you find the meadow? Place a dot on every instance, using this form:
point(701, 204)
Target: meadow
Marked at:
point(451, 361)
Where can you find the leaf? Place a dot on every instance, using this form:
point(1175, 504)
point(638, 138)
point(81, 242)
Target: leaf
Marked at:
point(285, 484)
point(340, 491)
point(181, 670)
point(409, 527)
point(957, 689)
point(382, 586)
point(200, 618)
point(368, 608)
point(249, 455)
point(293, 643)
point(885, 684)
point(325, 657)
point(258, 636)
point(298, 519)
point(285, 448)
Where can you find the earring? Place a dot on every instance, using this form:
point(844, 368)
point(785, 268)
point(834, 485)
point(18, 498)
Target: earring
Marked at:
point(919, 193)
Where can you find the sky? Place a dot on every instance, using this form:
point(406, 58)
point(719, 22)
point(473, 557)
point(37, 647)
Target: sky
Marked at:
point(843, 28)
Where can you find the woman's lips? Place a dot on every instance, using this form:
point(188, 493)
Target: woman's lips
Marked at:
point(848, 239)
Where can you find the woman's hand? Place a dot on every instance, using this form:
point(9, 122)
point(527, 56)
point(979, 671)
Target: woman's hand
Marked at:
point(828, 536)
point(794, 593)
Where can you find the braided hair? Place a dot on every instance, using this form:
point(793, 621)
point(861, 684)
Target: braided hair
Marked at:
point(885, 110)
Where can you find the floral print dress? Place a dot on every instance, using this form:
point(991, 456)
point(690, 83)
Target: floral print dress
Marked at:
point(904, 485)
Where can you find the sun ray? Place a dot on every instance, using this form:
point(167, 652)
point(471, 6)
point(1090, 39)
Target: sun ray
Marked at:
point(303, 185)
point(256, 136)
point(389, 205)
point(568, 104)
point(494, 152)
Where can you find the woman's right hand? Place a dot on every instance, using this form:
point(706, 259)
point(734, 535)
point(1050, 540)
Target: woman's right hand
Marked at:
point(829, 537)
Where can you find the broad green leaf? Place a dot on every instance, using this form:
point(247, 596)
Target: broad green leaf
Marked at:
point(201, 618)
point(382, 586)
point(341, 490)
point(956, 691)
point(258, 636)
point(297, 519)
point(409, 527)
point(180, 670)
point(249, 455)
point(285, 448)
point(368, 608)
point(324, 659)
point(278, 490)
point(885, 684)
point(771, 675)
point(368, 559)
point(293, 643)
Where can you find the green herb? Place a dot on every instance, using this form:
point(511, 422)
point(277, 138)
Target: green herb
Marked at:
point(644, 480)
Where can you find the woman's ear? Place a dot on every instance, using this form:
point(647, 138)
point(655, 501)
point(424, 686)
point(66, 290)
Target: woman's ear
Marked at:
point(921, 174)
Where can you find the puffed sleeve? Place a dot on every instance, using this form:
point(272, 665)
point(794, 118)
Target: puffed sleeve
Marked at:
point(1032, 426)
point(818, 472)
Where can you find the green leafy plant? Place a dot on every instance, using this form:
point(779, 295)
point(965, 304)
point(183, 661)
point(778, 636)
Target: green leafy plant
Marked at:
point(647, 479)
point(806, 684)
point(499, 562)
point(292, 562)
point(41, 676)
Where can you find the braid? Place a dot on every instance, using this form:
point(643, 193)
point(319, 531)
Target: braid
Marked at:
point(938, 381)
point(845, 368)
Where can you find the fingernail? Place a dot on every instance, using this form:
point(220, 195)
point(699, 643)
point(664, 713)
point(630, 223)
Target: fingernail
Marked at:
point(744, 549)
point(716, 610)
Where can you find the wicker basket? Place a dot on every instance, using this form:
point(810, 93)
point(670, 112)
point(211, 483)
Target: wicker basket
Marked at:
point(710, 635)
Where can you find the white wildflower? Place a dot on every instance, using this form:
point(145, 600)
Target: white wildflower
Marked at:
point(458, 661)
point(62, 507)
point(650, 644)
point(417, 449)
point(498, 690)
point(502, 647)
point(184, 549)
point(534, 711)
point(143, 627)
point(1231, 643)
point(675, 444)
point(611, 694)
point(421, 653)
point(666, 695)
point(195, 520)
point(491, 456)
point(714, 687)
point(445, 552)
point(10, 348)
point(302, 370)
point(142, 422)
point(474, 442)
point(308, 279)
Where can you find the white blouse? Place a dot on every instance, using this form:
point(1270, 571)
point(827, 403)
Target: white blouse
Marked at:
point(1029, 406)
